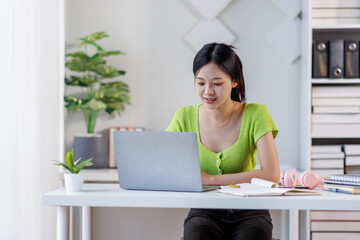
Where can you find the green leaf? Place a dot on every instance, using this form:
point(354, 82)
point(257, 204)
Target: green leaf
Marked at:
point(80, 55)
point(97, 36)
point(113, 90)
point(121, 72)
point(108, 53)
point(78, 65)
point(95, 56)
point(72, 103)
point(76, 162)
point(84, 163)
point(64, 165)
point(94, 105)
point(115, 95)
point(107, 71)
point(87, 81)
point(96, 61)
point(68, 156)
point(85, 41)
point(75, 81)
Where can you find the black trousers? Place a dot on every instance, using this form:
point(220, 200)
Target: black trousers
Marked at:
point(227, 224)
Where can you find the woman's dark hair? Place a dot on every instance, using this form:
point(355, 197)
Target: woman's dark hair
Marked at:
point(224, 56)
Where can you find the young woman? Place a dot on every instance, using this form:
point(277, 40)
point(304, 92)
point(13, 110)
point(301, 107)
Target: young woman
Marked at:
point(230, 133)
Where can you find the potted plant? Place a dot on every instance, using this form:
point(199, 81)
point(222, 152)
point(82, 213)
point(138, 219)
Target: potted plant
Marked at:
point(91, 73)
point(74, 179)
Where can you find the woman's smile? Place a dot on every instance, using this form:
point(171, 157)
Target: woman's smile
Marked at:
point(209, 100)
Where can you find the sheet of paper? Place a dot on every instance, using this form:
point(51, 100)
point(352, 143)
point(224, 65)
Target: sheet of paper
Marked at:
point(263, 183)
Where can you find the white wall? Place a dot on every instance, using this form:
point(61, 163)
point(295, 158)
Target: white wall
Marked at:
point(159, 72)
point(159, 63)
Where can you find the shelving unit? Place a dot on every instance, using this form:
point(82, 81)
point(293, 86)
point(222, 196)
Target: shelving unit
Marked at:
point(321, 20)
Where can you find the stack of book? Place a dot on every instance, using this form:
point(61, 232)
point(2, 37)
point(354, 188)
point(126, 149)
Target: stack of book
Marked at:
point(343, 183)
point(336, 111)
point(352, 158)
point(327, 160)
point(112, 159)
point(335, 225)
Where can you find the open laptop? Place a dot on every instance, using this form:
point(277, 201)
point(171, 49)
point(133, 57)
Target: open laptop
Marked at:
point(166, 161)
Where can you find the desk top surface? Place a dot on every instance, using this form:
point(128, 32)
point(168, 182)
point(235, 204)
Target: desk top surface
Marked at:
point(111, 195)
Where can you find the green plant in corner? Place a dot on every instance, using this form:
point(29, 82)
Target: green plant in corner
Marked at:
point(92, 74)
point(72, 165)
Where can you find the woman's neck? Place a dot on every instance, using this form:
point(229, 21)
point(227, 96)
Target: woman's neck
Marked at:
point(221, 115)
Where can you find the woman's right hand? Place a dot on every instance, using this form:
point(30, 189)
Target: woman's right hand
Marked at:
point(207, 179)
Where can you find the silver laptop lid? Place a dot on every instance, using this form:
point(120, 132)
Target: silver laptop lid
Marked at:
point(158, 161)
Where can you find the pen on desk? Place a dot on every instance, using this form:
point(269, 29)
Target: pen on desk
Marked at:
point(234, 186)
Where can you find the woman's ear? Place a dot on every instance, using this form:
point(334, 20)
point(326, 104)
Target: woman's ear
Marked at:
point(234, 84)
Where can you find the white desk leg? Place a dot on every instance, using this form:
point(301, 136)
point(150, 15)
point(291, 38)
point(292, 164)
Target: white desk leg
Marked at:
point(62, 226)
point(86, 223)
point(284, 225)
point(294, 224)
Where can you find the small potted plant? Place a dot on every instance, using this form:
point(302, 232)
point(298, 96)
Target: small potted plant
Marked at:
point(90, 73)
point(74, 179)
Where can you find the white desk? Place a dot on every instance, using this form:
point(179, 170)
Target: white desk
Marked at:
point(110, 195)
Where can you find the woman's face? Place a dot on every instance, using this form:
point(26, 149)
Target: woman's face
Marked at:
point(213, 86)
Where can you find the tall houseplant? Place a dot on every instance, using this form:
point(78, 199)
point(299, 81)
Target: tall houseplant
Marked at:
point(91, 73)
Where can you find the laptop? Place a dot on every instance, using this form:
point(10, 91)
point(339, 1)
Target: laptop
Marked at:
point(162, 161)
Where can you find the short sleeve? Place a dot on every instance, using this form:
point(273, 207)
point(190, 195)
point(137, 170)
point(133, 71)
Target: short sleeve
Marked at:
point(264, 123)
point(176, 123)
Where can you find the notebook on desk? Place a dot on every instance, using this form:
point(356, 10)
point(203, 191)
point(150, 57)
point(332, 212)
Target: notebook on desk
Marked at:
point(165, 161)
point(260, 187)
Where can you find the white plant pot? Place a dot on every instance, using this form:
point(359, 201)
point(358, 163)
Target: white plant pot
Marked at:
point(73, 182)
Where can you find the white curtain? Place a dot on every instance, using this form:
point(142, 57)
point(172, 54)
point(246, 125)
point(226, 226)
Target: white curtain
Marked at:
point(29, 117)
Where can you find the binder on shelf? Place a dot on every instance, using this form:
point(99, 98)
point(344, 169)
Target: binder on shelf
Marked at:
point(320, 59)
point(336, 59)
point(351, 56)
